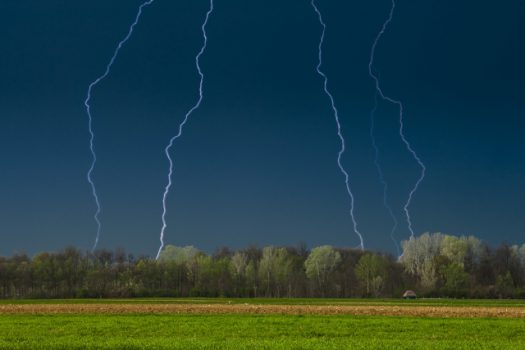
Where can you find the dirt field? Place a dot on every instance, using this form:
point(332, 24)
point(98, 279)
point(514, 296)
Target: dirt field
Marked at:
point(387, 310)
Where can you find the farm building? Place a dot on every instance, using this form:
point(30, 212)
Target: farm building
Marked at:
point(409, 294)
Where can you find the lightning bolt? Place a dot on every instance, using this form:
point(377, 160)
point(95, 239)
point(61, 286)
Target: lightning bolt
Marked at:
point(339, 130)
point(90, 121)
point(181, 126)
point(382, 177)
point(401, 119)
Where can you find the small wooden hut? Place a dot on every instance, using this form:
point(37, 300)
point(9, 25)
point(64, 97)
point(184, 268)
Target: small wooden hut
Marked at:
point(409, 294)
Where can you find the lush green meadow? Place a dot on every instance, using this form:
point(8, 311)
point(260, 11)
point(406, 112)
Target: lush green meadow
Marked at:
point(238, 331)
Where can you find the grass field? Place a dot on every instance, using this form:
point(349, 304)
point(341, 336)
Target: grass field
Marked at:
point(45, 329)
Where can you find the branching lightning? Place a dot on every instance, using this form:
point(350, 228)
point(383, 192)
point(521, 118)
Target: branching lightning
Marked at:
point(90, 124)
point(401, 121)
point(339, 129)
point(382, 177)
point(181, 126)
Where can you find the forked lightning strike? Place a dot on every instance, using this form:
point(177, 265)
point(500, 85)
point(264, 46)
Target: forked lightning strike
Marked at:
point(339, 129)
point(90, 124)
point(401, 120)
point(382, 179)
point(181, 126)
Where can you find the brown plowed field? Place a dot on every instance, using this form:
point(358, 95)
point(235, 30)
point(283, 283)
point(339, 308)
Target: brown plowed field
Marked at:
point(417, 311)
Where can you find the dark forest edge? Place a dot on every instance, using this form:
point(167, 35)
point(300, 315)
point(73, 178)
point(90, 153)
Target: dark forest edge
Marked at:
point(434, 265)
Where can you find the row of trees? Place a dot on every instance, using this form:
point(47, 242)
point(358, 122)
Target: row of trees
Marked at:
point(432, 264)
point(446, 265)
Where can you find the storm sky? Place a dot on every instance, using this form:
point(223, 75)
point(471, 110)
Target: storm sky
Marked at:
point(257, 162)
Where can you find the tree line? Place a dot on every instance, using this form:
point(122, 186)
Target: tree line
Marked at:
point(434, 265)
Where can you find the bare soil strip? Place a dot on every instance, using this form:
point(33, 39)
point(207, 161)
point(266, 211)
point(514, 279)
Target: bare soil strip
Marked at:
point(364, 310)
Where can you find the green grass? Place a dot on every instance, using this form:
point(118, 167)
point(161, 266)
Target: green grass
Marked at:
point(256, 332)
point(164, 331)
point(281, 301)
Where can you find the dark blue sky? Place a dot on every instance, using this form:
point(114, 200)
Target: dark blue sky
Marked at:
point(257, 163)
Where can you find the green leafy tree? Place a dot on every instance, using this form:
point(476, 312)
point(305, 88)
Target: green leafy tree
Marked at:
point(251, 278)
point(320, 265)
point(419, 256)
point(371, 272)
point(505, 285)
point(178, 255)
point(274, 270)
point(456, 280)
point(454, 248)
